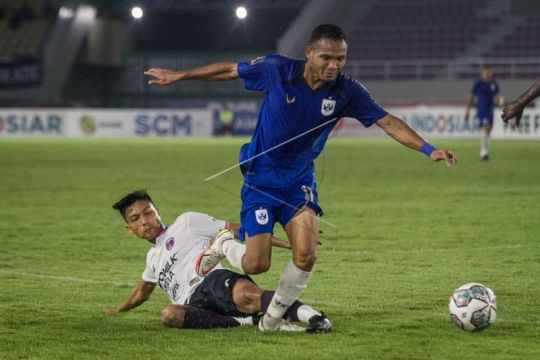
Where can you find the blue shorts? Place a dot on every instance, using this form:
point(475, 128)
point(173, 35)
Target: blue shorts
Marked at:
point(262, 207)
point(484, 118)
point(215, 293)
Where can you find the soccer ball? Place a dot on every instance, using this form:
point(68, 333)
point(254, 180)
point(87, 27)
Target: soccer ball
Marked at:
point(473, 307)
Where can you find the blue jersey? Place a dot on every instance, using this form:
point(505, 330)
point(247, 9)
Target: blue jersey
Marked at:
point(484, 92)
point(294, 121)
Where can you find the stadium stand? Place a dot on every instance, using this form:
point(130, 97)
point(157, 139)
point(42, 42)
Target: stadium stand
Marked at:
point(24, 26)
point(98, 60)
point(443, 39)
point(418, 29)
point(523, 42)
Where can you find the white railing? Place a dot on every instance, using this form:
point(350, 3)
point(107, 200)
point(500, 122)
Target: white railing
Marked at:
point(441, 69)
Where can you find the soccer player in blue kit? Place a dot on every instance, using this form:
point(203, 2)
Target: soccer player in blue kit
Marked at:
point(304, 100)
point(486, 93)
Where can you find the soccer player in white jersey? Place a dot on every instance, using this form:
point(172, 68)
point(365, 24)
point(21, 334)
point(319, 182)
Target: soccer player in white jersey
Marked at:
point(220, 299)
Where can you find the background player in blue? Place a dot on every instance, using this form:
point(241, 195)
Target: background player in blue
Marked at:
point(484, 95)
point(304, 100)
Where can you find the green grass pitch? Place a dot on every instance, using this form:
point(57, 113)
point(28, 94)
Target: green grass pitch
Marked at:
point(400, 234)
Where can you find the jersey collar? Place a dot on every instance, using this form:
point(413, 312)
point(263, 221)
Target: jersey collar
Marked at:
point(161, 236)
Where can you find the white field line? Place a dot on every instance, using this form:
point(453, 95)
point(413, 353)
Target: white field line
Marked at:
point(422, 250)
point(64, 278)
point(314, 302)
point(357, 252)
point(117, 283)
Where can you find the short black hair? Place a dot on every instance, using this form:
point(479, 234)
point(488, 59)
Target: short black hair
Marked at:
point(329, 31)
point(128, 200)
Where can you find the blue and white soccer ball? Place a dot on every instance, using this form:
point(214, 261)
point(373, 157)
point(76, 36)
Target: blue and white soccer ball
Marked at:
point(473, 307)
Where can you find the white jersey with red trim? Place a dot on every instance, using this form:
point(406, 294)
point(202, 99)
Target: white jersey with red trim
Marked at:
point(170, 263)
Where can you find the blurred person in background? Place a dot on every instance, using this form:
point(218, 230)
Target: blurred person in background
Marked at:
point(226, 118)
point(484, 97)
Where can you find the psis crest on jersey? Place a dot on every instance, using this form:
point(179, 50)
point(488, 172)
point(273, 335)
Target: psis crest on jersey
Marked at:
point(261, 215)
point(328, 106)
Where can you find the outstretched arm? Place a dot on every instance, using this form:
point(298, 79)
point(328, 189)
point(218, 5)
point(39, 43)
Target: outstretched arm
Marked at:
point(139, 294)
point(401, 132)
point(515, 108)
point(214, 72)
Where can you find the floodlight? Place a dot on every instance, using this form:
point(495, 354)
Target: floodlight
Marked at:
point(137, 12)
point(241, 12)
point(65, 13)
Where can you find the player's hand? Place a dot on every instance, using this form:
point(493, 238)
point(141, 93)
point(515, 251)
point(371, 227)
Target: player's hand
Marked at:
point(162, 76)
point(449, 157)
point(512, 110)
point(111, 310)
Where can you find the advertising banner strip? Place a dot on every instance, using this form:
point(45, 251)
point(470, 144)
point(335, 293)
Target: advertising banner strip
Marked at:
point(105, 123)
point(430, 121)
point(447, 122)
point(32, 123)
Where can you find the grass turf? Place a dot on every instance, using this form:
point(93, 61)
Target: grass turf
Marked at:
point(400, 234)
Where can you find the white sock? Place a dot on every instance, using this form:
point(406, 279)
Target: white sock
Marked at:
point(305, 313)
point(485, 145)
point(234, 251)
point(291, 284)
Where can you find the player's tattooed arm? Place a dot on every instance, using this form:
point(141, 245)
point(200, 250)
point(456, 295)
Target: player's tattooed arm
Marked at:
point(139, 294)
point(515, 108)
